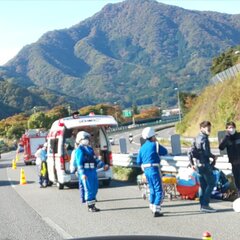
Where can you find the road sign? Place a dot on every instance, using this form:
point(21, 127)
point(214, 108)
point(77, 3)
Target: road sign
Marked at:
point(127, 113)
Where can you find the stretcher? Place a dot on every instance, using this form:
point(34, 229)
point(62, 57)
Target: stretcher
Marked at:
point(169, 183)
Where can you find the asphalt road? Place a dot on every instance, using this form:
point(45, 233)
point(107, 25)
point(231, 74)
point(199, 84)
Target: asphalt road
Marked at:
point(28, 212)
point(18, 220)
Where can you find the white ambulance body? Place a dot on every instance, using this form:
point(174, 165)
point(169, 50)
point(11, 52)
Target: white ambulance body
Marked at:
point(61, 140)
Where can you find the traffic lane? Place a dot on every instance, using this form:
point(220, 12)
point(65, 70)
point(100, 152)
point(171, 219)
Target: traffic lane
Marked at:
point(18, 221)
point(124, 212)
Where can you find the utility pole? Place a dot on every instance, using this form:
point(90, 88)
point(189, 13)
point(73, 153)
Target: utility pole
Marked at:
point(179, 106)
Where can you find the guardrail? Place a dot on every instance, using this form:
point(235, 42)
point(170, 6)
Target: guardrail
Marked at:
point(231, 72)
point(169, 163)
point(142, 125)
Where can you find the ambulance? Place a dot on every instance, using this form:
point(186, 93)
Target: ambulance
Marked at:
point(30, 141)
point(61, 141)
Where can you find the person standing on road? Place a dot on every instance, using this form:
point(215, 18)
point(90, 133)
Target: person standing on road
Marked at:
point(149, 160)
point(231, 142)
point(41, 158)
point(73, 169)
point(203, 166)
point(87, 164)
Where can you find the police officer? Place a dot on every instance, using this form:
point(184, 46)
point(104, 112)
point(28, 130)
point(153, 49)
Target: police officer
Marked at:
point(149, 159)
point(87, 164)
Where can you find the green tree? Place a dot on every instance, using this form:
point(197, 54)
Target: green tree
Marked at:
point(38, 120)
point(15, 131)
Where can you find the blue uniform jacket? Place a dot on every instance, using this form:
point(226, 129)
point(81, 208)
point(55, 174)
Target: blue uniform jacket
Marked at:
point(148, 153)
point(43, 155)
point(85, 154)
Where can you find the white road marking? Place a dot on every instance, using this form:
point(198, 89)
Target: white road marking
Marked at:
point(9, 179)
point(58, 229)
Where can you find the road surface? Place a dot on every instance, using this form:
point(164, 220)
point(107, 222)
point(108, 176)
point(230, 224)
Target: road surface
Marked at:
point(28, 212)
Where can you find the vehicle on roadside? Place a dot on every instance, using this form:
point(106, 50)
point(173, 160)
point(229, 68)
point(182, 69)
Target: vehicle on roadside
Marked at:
point(61, 140)
point(30, 142)
point(130, 137)
point(111, 140)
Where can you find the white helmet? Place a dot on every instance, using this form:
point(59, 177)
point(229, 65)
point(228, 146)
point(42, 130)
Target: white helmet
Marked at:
point(45, 145)
point(81, 136)
point(148, 132)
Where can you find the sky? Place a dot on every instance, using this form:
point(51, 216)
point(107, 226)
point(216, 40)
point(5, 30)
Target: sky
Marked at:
point(23, 22)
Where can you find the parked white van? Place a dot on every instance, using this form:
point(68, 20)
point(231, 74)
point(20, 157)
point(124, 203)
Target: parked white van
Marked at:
point(61, 140)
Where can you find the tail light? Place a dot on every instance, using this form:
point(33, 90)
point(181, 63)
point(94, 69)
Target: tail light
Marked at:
point(62, 163)
point(110, 159)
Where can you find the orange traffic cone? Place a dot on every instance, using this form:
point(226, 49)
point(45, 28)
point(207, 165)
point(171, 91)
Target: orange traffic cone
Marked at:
point(206, 236)
point(22, 177)
point(14, 165)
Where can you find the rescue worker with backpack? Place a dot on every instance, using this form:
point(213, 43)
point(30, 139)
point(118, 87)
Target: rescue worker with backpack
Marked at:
point(149, 160)
point(87, 164)
point(201, 153)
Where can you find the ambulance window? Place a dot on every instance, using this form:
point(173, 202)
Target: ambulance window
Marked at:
point(54, 145)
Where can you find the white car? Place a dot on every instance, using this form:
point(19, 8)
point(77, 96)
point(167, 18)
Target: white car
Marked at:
point(111, 140)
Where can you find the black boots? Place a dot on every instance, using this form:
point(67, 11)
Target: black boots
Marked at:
point(92, 208)
point(157, 214)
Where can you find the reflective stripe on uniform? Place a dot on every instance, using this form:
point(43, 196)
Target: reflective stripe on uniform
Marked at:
point(91, 202)
point(156, 208)
point(147, 165)
point(89, 165)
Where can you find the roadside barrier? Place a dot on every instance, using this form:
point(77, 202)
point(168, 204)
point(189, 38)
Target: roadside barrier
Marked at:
point(22, 177)
point(206, 236)
point(169, 163)
point(14, 165)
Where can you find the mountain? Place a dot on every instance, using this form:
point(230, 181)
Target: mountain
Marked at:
point(15, 99)
point(133, 52)
point(218, 103)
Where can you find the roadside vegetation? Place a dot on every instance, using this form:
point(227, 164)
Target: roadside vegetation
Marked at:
point(12, 128)
point(218, 103)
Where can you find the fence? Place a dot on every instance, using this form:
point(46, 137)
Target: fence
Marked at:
point(231, 72)
point(171, 120)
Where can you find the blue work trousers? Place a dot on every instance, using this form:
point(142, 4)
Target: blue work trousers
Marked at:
point(81, 190)
point(207, 183)
point(90, 185)
point(155, 185)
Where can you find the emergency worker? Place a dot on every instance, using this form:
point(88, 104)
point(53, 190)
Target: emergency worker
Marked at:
point(149, 159)
point(41, 162)
point(87, 164)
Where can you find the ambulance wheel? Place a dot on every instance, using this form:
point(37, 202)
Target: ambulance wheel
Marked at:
point(60, 186)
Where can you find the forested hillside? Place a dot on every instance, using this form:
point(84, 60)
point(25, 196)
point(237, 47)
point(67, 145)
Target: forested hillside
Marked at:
point(132, 52)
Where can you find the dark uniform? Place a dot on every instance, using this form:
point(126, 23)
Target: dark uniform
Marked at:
point(232, 143)
point(204, 169)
